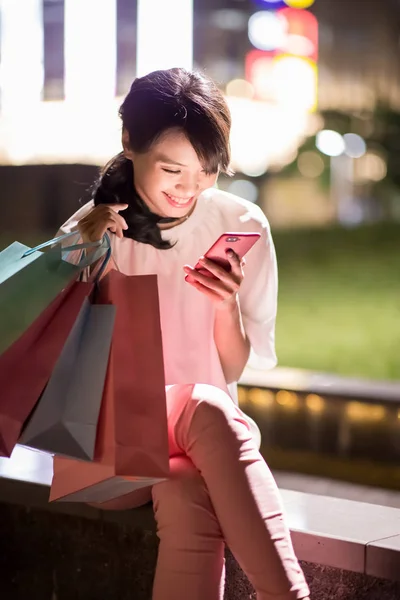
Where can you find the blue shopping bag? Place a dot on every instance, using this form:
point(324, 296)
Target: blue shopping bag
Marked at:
point(31, 279)
point(65, 419)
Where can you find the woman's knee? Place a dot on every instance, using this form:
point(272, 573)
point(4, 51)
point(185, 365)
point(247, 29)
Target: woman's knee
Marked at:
point(213, 409)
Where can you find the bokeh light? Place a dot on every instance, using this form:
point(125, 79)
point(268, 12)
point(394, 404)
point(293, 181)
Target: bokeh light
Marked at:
point(90, 75)
point(358, 411)
point(270, 4)
point(163, 40)
point(299, 3)
point(267, 30)
point(355, 146)
point(370, 167)
point(261, 398)
point(315, 403)
point(295, 81)
point(21, 72)
point(259, 66)
point(299, 45)
point(289, 400)
point(310, 164)
point(240, 88)
point(263, 134)
point(302, 31)
point(245, 189)
point(252, 165)
point(330, 142)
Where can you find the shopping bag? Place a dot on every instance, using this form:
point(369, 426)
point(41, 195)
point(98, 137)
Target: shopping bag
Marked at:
point(65, 419)
point(30, 280)
point(26, 367)
point(132, 437)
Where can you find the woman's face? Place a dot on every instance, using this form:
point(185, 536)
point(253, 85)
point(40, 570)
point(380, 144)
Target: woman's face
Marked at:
point(169, 177)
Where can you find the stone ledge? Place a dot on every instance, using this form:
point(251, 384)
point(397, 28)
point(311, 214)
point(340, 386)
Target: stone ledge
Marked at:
point(56, 556)
point(332, 532)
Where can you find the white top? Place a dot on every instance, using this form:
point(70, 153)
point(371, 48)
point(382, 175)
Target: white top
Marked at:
point(187, 316)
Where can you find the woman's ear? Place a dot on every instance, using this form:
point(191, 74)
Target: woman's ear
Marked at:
point(126, 144)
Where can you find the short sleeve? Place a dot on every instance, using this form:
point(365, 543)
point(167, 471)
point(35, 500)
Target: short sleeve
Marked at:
point(258, 298)
point(71, 225)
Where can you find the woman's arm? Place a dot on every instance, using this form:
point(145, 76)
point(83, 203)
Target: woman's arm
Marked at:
point(245, 301)
point(230, 338)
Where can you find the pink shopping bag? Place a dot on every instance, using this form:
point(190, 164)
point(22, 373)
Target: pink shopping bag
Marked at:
point(26, 366)
point(132, 437)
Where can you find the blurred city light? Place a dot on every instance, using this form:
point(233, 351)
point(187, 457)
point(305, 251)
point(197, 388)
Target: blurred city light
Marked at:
point(22, 60)
point(288, 30)
point(270, 4)
point(266, 132)
point(267, 30)
point(245, 189)
point(330, 142)
point(370, 167)
point(275, 4)
point(261, 398)
point(229, 19)
point(164, 35)
point(90, 52)
point(240, 88)
point(299, 45)
point(302, 24)
point(357, 411)
point(315, 403)
point(300, 3)
point(310, 164)
point(355, 146)
point(283, 68)
point(295, 81)
point(259, 73)
point(263, 134)
point(289, 400)
point(284, 80)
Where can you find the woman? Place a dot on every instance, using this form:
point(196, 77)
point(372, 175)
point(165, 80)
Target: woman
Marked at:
point(157, 198)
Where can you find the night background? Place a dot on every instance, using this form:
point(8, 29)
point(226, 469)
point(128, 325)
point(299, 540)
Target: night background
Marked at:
point(290, 71)
point(314, 91)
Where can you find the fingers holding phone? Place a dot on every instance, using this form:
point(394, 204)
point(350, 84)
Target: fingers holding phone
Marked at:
point(220, 272)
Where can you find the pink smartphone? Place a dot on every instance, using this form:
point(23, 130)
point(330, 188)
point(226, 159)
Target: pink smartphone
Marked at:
point(238, 242)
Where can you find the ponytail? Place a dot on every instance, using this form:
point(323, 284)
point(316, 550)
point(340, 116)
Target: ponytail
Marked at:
point(116, 186)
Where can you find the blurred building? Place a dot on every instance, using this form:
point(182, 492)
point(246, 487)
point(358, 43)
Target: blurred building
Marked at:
point(61, 89)
point(358, 48)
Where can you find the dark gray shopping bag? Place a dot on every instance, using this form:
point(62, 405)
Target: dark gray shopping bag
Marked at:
point(65, 420)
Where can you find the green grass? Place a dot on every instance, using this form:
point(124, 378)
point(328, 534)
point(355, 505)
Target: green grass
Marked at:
point(339, 300)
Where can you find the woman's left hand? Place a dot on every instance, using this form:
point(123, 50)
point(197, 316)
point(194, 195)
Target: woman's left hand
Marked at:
point(223, 288)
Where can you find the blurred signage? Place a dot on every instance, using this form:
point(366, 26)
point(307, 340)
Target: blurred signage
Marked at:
point(276, 4)
point(270, 4)
point(283, 67)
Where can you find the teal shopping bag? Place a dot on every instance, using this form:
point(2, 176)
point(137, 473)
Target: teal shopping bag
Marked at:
point(30, 280)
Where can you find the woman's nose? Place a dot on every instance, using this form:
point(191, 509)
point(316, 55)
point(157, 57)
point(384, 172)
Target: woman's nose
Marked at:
point(188, 186)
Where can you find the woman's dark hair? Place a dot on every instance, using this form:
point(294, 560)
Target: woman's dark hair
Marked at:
point(162, 100)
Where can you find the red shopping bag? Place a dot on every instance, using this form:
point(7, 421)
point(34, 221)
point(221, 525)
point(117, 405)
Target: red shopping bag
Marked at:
point(26, 366)
point(132, 437)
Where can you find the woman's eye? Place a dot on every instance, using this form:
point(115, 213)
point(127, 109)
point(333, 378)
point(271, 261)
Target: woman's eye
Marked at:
point(170, 171)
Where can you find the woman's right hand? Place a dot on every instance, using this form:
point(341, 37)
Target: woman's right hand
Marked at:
point(103, 217)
